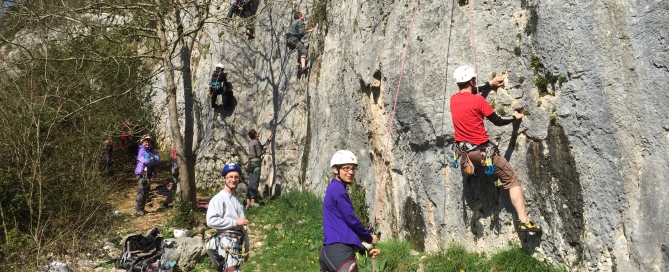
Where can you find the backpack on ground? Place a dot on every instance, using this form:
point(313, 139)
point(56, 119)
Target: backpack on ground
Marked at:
point(141, 252)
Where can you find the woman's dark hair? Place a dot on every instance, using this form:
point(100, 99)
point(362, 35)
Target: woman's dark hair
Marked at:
point(252, 134)
point(297, 15)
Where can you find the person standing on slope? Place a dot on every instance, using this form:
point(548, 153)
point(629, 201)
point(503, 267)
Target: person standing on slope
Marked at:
point(145, 171)
point(226, 215)
point(471, 137)
point(342, 230)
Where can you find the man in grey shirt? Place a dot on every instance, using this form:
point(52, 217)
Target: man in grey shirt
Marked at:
point(294, 35)
point(255, 161)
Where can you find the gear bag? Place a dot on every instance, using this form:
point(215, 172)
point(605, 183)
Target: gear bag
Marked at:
point(140, 253)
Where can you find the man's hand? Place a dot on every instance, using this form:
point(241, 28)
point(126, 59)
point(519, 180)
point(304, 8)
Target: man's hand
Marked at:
point(374, 253)
point(518, 115)
point(242, 222)
point(497, 81)
point(375, 239)
point(312, 29)
point(270, 137)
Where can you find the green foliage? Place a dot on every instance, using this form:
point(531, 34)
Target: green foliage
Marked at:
point(183, 216)
point(553, 109)
point(528, 29)
point(539, 103)
point(494, 75)
point(501, 112)
point(357, 194)
point(562, 79)
point(355, 24)
point(519, 36)
point(553, 119)
point(58, 113)
point(516, 50)
point(462, 2)
point(493, 105)
point(542, 84)
point(535, 63)
point(514, 259)
point(293, 232)
point(521, 79)
point(455, 258)
point(15, 243)
point(525, 112)
point(320, 13)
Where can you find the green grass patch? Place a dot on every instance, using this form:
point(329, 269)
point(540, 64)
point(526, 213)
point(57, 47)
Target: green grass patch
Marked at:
point(514, 259)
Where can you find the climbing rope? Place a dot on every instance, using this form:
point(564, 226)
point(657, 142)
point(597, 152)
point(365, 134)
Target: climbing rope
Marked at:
point(392, 119)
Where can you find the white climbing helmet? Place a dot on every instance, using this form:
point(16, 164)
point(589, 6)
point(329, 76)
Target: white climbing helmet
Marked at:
point(220, 65)
point(464, 74)
point(343, 157)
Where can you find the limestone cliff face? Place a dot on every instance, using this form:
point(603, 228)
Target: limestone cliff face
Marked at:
point(591, 153)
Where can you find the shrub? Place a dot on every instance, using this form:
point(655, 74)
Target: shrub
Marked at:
point(562, 79)
point(542, 84)
point(516, 50)
point(535, 63)
point(528, 29)
point(521, 79)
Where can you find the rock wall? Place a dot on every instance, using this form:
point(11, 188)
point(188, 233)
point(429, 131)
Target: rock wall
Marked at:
point(590, 151)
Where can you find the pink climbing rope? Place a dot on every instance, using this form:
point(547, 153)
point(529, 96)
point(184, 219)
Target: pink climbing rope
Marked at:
point(471, 34)
point(392, 118)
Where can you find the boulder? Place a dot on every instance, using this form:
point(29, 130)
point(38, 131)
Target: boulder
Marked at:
point(187, 251)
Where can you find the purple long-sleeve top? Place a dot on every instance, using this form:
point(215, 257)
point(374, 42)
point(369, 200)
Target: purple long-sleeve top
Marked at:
point(145, 157)
point(340, 225)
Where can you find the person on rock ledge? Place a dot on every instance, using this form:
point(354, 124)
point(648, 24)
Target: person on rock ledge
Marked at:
point(219, 79)
point(294, 38)
point(471, 137)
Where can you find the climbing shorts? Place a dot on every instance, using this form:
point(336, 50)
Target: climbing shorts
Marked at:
point(295, 43)
point(503, 169)
point(338, 257)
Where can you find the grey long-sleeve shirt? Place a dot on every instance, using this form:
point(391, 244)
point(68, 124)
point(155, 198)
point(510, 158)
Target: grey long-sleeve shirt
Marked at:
point(255, 149)
point(223, 212)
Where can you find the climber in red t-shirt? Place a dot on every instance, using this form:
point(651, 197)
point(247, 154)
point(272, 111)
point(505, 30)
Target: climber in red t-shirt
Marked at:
point(471, 137)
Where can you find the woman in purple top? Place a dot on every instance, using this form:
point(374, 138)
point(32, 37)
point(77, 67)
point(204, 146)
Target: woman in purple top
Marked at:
point(145, 171)
point(342, 230)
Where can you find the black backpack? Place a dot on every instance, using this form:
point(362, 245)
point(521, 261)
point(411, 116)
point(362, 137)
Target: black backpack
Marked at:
point(140, 252)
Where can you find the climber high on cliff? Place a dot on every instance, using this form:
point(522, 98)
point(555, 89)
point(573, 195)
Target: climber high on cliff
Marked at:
point(471, 137)
point(294, 35)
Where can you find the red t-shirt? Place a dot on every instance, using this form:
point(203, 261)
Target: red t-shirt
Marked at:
point(468, 111)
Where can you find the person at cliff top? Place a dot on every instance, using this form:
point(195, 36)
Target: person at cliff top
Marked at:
point(471, 137)
point(226, 215)
point(342, 230)
point(294, 38)
point(145, 171)
point(255, 161)
point(241, 6)
point(218, 80)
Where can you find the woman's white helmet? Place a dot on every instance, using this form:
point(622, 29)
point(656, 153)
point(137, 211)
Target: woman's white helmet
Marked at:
point(343, 157)
point(464, 74)
point(220, 65)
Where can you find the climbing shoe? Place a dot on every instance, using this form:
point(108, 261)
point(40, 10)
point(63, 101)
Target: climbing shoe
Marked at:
point(305, 68)
point(529, 226)
point(139, 212)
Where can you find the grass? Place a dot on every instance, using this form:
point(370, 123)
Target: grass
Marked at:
point(292, 230)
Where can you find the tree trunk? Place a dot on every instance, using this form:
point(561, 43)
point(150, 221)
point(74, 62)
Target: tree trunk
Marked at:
point(183, 149)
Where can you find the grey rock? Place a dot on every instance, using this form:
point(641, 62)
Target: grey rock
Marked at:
point(594, 177)
point(188, 252)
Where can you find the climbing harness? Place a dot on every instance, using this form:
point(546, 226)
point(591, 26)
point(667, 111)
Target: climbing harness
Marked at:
point(461, 157)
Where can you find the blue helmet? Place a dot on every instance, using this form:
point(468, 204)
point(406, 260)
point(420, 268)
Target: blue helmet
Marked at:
point(231, 167)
